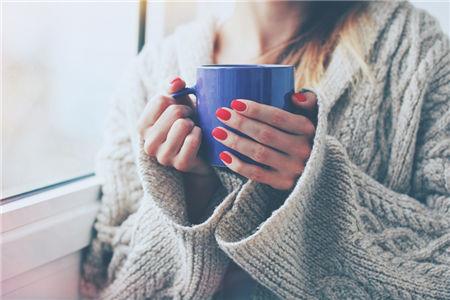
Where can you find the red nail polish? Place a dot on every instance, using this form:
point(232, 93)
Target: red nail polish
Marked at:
point(238, 105)
point(225, 157)
point(223, 114)
point(219, 133)
point(175, 80)
point(299, 97)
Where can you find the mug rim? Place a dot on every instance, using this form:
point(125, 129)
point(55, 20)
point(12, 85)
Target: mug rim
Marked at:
point(243, 66)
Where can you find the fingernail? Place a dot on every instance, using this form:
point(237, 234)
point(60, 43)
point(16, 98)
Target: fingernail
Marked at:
point(219, 133)
point(175, 80)
point(238, 105)
point(299, 97)
point(225, 157)
point(223, 114)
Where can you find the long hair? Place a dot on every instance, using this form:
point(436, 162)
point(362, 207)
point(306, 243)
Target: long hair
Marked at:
point(310, 48)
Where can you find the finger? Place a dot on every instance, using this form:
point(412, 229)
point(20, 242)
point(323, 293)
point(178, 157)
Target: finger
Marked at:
point(157, 134)
point(177, 133)
point(305, 100)
point(306, 104)
point(258, 152)
point(187, 156)
point(254, 172)
point(261, 132)
point(175, 85)
point(152, 111)
point(284, 120)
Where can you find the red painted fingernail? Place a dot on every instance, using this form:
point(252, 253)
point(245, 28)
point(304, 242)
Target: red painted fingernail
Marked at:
point(238, 105)
point(175, 80)
point(225, 157)
point(223, 114)
point(219, 133)
point(299, 97)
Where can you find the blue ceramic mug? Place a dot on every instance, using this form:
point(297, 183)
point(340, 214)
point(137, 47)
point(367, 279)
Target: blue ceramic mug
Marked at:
point(218, 85)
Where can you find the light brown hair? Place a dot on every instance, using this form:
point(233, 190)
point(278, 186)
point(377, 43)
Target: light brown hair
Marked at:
point(310, 48)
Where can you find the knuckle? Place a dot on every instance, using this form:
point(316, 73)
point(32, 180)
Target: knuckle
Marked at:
point(278, 117)
point(183, 123)
point(163, 159)
point(311, 129)
point(308, 128)
point(238, 122)
point(303, 150)
point(239, 167)
point(265, 135)
point(160, 101)
point(233, 142)
point(178, 111)
point(256, 175)
point(308, 151)
point(181, 165)
point(197, 133)
point(305, 125)
point(150, 147)
point(260, 153)
point(288, 184)
point(299, 168)
point(193, 140)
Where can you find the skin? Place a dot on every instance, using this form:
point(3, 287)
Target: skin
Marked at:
point(281, 140)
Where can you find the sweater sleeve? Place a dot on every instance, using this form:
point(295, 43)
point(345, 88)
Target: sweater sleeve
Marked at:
point(121, 193)
point(341, 234)
point(143, 245)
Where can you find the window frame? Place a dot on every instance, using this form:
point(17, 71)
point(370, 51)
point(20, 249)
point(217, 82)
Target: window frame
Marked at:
point(56, 219)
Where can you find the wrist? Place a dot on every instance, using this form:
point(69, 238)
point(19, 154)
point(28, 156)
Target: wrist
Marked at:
point(200, 179)
point(198, 190)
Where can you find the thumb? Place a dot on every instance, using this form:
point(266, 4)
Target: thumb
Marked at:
point(305, 103)
point(177, 84)
point(305, 100)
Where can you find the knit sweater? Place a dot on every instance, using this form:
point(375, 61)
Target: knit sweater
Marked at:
point(368, 218)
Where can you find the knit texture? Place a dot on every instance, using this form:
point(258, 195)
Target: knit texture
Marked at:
point(368, 219)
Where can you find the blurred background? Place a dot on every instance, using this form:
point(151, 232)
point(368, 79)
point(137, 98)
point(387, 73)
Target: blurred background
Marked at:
point(61, 61)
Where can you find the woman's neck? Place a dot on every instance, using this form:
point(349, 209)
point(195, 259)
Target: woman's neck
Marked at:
point(254, 28)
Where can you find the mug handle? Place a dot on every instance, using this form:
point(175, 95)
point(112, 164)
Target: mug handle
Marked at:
point(190, 91)
point(185, 91)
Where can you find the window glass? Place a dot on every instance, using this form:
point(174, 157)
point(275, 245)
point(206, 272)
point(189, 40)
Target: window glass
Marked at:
point(61, 62)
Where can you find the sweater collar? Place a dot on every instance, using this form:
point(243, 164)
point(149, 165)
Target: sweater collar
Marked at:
point(339, 74)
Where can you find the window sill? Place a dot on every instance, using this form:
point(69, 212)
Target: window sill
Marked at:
point(42, 228)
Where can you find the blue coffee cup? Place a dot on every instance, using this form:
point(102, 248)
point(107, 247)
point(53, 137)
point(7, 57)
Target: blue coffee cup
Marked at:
point(218, 85)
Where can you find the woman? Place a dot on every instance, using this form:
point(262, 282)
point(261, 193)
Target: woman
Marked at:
point(356, 202)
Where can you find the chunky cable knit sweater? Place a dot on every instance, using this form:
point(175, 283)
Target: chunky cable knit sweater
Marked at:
point(368, 218)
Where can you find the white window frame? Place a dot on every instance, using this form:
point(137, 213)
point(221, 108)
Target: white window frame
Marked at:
point(43, 232)
point(44, 227)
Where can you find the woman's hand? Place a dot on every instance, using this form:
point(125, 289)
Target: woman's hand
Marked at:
point(172, 137)
point(169, 133)
point(281, 140)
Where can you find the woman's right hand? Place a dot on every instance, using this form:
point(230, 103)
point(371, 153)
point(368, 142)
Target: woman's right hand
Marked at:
point(169, 133)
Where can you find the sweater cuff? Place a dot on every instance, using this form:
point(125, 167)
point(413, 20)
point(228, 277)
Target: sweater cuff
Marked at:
point(164, 187)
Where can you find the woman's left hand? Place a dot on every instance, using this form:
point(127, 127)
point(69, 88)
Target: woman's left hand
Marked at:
point(281, 140)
